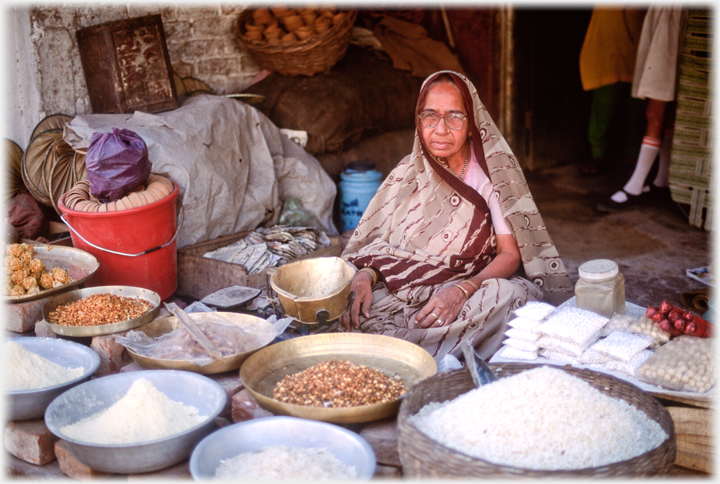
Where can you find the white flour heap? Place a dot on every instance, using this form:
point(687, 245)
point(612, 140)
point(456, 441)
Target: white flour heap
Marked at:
point(26, 370)
point(143, 414)
point(285, 462)
point(543, 419)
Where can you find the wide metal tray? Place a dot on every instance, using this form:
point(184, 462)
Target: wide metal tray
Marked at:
point(263, 334)
point(79, 264)
point(103, 329)
point(390, 355)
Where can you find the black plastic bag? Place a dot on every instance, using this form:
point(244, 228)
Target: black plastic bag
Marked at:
point(116, 163)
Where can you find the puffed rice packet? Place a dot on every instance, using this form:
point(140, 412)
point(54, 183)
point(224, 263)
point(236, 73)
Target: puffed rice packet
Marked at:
point(626, 367)
point(525, 324)
point(511, 353)
point(621, 345)
point(523, 335)
point(560, 346)
point(557, 356)
point(574, 325)
point(592, 357)
point(520, 344)
point(535, 310)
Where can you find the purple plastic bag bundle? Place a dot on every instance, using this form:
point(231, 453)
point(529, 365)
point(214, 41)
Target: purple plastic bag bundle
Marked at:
point(116, 163)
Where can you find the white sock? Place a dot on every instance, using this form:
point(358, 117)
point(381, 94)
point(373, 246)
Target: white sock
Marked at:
point(661, 179)
point(648, 151)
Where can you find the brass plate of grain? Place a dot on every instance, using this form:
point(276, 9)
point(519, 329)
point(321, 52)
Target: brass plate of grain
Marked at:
point(390, 355)
point(83, 331)
point(262, 333)
point(79, 264)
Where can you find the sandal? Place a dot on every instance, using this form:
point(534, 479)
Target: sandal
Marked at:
point(611, 206)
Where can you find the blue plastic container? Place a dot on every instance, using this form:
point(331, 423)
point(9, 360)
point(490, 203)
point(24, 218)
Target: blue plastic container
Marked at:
point(358, 184)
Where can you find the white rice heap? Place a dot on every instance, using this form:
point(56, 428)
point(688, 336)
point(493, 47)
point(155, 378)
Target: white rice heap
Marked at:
point(285, 462)
point(541, 419)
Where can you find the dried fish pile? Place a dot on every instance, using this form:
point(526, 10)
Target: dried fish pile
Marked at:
point(271, 247)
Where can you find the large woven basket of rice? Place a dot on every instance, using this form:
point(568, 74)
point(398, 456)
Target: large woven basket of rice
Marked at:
point(423, 457)
point(295, 42)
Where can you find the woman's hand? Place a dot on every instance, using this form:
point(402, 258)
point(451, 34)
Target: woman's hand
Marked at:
point(441, 309)
point(362, 287)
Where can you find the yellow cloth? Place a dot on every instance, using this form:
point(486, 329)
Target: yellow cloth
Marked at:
point(610, 46)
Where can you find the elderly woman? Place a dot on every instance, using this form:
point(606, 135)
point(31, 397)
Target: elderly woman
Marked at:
point(444, 244)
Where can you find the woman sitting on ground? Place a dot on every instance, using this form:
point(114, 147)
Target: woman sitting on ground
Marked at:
point(443, 248)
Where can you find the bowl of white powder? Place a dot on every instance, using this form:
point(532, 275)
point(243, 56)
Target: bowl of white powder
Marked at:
point(535, 421)
point(282, 447)
point(136, 422)
point(39, 369)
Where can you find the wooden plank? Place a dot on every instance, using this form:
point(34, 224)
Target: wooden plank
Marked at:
point(697, 421)
point(696, 439)
point(691, 461)
point(699, 450)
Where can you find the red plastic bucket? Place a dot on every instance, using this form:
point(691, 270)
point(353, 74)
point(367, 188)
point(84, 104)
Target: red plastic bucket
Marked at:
point(135, 247)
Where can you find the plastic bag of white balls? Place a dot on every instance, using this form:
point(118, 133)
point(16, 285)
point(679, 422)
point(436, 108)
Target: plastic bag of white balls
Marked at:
point(637, 325)
point(683, 364)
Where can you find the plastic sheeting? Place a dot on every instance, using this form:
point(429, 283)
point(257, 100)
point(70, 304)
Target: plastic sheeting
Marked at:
point(232, 164)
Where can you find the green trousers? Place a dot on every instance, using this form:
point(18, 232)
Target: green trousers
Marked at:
point(610, 104)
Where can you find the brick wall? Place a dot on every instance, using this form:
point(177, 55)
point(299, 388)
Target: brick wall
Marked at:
point(200, 41)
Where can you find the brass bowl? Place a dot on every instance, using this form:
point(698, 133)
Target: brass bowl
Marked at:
point(263, 334)
point(308, 287)
point(390, 355)
point(82, 331)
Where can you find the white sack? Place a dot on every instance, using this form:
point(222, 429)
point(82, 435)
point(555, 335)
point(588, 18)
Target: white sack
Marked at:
point(233, 165)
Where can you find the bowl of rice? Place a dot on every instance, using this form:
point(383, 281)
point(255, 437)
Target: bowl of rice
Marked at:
point(535, 421)
point(39, 369)
point(136, 422)
point(283, 447)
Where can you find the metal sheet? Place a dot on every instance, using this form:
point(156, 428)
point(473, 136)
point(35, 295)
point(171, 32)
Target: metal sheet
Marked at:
point(390, 355)
point(119, 327)
point(79, 264)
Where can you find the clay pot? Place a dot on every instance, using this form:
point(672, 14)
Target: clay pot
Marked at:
point(250, 27)
point(279, 11)
point(273, 33)
point(262, 16)
point(322, 24)
point(291, 37)
point(292, 22)
point(252, 35)
point(338, 18)
point(308, 17)
point(304, 32)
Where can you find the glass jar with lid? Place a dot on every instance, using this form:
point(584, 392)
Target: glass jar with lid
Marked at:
point(601, 288)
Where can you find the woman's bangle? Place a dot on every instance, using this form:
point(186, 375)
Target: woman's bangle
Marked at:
point(465, 291)
point(472, 283)
point(372, 273)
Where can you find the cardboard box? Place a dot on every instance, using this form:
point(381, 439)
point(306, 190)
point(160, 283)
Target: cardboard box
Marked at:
point(199, 276)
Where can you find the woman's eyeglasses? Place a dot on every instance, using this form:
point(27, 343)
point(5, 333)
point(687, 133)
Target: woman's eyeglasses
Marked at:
point(431, 119)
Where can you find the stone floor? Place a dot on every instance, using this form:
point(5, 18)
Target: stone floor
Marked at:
point(653, 245)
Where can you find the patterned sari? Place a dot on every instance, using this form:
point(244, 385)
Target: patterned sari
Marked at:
point(425, 229)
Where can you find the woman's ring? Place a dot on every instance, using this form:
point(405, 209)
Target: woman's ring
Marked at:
point(433, 313)
point(441, 322)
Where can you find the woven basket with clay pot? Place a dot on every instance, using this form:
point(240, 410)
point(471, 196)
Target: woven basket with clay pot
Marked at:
point(303, 57)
